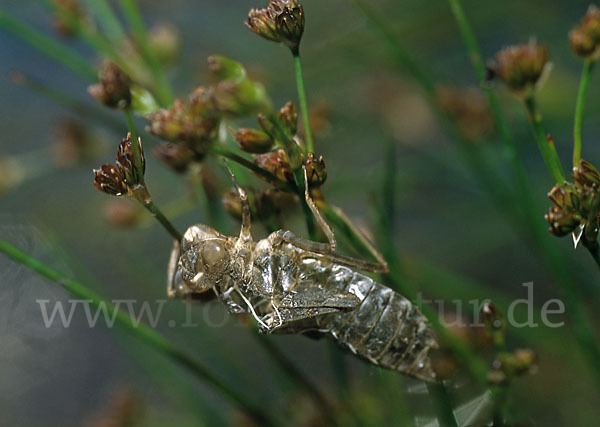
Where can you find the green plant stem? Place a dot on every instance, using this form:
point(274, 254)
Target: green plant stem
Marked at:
point(444, 405)
point(142, 332)
point(49, 47)
point(545, 143)
point(132, 13)
point(156, 213)
point(303, 104)
point(588, 65)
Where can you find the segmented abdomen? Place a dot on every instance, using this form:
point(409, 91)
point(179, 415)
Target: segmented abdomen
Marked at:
point(385, 328)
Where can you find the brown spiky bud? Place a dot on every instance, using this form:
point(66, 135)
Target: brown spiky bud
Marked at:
point(108, 180)
point(470, 111)
point(253, 140)
point(521, 67)
point(575, 204)
point(262, 22)
point(281, 21)
point(114, 89)
point(194, 122)
point(128, 176)
point(562, 222)
point(585, 38)
point(288, 117)
point(127, 158)
point(290, 26)
point(276, 163)
point(315, 170)
point(176, 156)
point(586, 175)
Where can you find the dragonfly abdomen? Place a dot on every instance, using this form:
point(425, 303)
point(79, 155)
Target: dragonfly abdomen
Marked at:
point(385, 328)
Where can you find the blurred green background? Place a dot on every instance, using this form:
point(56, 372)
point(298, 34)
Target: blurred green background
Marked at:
point(67, 376)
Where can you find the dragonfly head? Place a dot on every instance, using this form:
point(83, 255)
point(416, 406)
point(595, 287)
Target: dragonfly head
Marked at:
point(198, 262)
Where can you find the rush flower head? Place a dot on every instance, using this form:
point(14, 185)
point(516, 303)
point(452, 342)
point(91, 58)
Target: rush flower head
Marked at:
point(194, 122)
point(128, 174)
point(108, 179)
point(575, 204)
point(114, 88)
point(315, 170)
point(522, 68)
point(585, 38)
point(277, 163)
point(281, 21)
point(253, 140)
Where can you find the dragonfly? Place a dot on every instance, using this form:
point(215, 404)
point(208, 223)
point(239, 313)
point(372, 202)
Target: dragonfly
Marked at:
point(291, 285)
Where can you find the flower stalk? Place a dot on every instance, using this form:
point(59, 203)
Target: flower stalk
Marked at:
point(588, 65)
point(303, 103)
point(545, 143)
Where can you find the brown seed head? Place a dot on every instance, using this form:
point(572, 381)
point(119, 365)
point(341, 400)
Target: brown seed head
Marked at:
point(315, 170)
point(281, 21)
point(127, 158)
point(253, 140)
point(114, 87)
point(276, 163)
point(194, 122)
point(288, 117)
point(585, 38)
point(108, 180)
point(521, 67)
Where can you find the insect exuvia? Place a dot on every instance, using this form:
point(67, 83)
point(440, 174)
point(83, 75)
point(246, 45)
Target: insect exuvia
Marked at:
point(291, 285)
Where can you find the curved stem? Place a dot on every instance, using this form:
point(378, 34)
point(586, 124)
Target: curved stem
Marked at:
point(581, 93)
point(156, 213)
point(545, 144)
point(140, 331)
point(303, 104)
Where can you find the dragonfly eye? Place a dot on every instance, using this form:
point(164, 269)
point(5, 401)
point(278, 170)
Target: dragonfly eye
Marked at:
point(213, 254)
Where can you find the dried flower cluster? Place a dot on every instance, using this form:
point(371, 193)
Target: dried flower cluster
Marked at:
point(114, 89)
point(124, 178)
point(282, 21)
point(585, 38)
point(191, 126)
point(575, 204)
point(194, 122)
point(521, 67)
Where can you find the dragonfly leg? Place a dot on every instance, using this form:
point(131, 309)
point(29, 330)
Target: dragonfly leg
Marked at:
point(318, 217)
point(364, 239)
point(246, 220)
point(380, 266)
